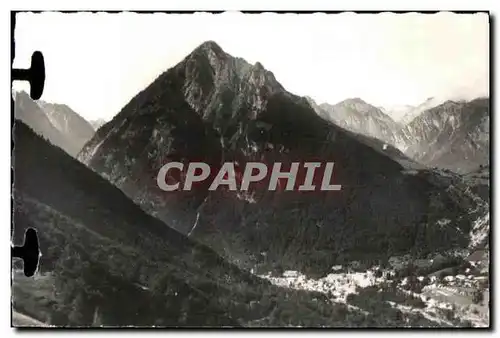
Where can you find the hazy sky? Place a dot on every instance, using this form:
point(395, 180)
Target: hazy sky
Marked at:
point(96, 63)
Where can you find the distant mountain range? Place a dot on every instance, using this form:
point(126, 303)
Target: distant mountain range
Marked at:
point(407, 113)
point(397, 111)
point(453, 135)
point(413, 112)
point(447, 134)
point(57, 123)
point(360, 117)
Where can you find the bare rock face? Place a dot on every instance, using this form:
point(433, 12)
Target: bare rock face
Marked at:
point(213, 107)
point(69, 123)
point(413, 112)
point(360, 117)
point(453, 135)
point(29, 112)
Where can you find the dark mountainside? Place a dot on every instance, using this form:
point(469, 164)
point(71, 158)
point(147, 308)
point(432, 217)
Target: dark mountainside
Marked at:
point(106, 262)
point(68, 122)
point(89, 230)
point(57, 123)
point(214, 107)
point(453, 135)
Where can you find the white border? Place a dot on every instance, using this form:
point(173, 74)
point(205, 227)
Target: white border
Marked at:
point(257, 5)
point(380, 5)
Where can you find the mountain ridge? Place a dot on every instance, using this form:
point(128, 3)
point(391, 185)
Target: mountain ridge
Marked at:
point(452, 135)
point(426, 138)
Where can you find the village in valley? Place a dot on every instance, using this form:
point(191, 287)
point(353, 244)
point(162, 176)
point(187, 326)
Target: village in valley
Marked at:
point(457, 293)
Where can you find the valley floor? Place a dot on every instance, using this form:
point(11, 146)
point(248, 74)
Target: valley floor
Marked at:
point(441, 304)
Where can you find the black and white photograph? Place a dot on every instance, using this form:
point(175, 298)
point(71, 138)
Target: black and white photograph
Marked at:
point(251, 170)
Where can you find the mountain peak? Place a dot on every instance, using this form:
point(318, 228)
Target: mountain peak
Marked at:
point(209, 51)
point(354, 100)
point(224, 64)
point(259, 66)
point(210, 46)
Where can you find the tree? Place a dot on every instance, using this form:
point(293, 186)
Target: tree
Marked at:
point(59, 316)
point(413, 283)
point(477, 296)
point(135, 274)
point(76, 316)
point(441, 275)
point(160, 283)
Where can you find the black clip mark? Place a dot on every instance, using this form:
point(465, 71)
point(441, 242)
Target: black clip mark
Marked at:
point(29, 252)
point(35, 75)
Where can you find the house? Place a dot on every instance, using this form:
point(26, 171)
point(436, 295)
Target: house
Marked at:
point(396, 262)
point(336, 267)
point(481, 278)
point(290, 274)
point(478, 257)
point(422, 263)
point(449, 278)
